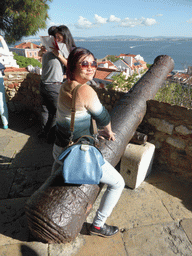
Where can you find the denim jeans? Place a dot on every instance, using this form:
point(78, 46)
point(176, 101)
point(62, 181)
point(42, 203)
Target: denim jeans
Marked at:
point(3, 104)
point(115, 184)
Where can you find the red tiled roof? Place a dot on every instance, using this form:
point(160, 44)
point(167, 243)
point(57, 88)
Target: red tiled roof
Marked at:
point(27, 46)
point(100, 74)
point(123, 55)
point(110, 64)
point(182, 75)
point(131, 55)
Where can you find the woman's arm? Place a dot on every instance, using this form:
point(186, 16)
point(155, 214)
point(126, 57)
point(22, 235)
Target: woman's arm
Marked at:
point(98, 112)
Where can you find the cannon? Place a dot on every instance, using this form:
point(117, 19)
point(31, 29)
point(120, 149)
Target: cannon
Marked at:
point(57, 211)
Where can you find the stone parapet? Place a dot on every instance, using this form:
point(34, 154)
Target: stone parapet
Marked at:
point(169, 128)
point(22, 89)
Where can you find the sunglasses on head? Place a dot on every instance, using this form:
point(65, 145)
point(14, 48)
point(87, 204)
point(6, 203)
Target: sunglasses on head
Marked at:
point(86, 64)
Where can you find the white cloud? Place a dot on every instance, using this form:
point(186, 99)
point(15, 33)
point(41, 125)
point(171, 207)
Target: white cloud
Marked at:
point(100, 20)
point(112, 18)
point(83, 23)
point(137, 22)
point(190, 20)
point(149, 22)
point(130, 22)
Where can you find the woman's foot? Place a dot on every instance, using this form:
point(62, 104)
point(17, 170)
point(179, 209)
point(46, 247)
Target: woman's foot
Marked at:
point(105, 231)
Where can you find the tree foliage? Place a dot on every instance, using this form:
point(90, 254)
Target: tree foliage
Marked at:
point(23, 62)
point(176, 94)
point(20, 18)
point(149, 65)
point(112, 58)
point(172, 93)
point(122, 84)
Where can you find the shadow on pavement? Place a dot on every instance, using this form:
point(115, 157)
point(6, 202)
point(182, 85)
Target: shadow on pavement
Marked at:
point(27, 251)
point(168, 185)
point(25, 164)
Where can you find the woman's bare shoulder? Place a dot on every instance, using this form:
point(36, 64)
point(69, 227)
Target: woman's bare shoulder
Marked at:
point(87, 89)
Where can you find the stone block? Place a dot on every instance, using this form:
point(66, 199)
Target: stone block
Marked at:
point(28, 180)
point(187, 226)
point(177, 143)
point(139, 207)
point(95, 245)
point(21, 249)
point(136, 163)
point(13, 223)
point(167, 239)
point(6, 181)
point(183, 130)
point(161, 125)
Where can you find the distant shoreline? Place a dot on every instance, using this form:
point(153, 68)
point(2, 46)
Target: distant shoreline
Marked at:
point(178, 49)
point(115, 38)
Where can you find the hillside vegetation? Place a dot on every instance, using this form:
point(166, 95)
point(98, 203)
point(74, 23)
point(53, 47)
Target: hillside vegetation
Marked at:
point(23, 62)
point(172, 93)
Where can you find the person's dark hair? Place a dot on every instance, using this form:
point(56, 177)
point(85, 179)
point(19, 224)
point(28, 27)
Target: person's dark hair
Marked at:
point(67, 37)
point(51, 30)
point(76, 54)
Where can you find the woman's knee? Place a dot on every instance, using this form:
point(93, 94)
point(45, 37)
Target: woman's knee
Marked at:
point(118, 185)
point(120, 182)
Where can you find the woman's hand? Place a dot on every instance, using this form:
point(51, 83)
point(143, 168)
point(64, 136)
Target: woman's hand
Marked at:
point(56, 52)
point(60, 56)
point(106, 135)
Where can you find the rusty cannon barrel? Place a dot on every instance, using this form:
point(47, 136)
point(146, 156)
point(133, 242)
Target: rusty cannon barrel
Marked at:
point(56, 211)
point(131, 108)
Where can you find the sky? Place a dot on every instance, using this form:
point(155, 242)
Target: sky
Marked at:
point(146, 18)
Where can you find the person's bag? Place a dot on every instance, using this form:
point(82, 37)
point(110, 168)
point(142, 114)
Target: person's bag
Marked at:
point(81, 161)
point(82, 164)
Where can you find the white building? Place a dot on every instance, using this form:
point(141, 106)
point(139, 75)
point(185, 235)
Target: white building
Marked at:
point(6, 57)
point(28, 50)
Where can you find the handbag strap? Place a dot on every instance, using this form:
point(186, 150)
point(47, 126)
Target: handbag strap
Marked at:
point(73, 110)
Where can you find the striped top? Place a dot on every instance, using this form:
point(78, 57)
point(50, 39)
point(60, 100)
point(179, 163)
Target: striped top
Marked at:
point(87, 106)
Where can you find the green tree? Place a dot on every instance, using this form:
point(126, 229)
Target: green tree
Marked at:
point(175, 93)
point(149, 65)
point(23, 62)
point(20, 18)
point(121, 83)
point(112, 58)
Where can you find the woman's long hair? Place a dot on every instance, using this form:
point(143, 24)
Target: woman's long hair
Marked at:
point(67, 37)
point(73, 59)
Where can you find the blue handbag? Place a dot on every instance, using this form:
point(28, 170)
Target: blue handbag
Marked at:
point(81, 161)
point(82, 164)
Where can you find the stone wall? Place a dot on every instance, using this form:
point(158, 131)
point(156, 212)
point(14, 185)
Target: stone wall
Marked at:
point(168, 127)
point(22, 89)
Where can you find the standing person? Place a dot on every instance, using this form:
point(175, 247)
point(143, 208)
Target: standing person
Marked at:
point(3, 104)
point(81, 68)
point(66, 44)
point(52, 75)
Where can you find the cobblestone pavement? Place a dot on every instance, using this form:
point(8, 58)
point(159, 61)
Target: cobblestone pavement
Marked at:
point(155, 219)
